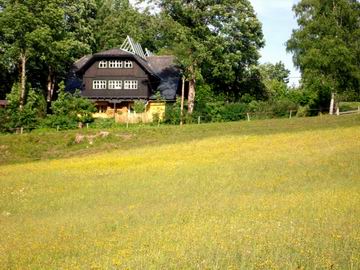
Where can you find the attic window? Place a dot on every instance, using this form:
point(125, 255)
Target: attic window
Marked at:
point(103, 64)
point(131, 84)
point(128, 64)
point(115, 64)
point(99, 84)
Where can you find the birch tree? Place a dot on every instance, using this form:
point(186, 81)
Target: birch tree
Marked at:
point(326, 46)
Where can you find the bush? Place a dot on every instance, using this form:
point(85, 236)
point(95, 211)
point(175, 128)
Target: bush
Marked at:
point(59, 121)
point(139, 106)
point(172, 112)
point(104, 123)
point(70, 110)
point(28, 117)
point(282, 107)
point(303, 111)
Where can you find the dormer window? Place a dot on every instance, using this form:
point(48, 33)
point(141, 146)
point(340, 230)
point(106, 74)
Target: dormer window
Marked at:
point(103, 64)
point(115, 64)
point(128, 64)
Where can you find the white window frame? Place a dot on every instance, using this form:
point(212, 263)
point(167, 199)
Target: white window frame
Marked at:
point(131, 84)
point(115, 84)
point(128, 64)
point(99, 84)
point(115, 64)
point(103, 64)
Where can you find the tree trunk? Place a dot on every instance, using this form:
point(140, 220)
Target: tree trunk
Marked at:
point(50, 84)
point(191, 95)
point(22, 81)
point(182, 100)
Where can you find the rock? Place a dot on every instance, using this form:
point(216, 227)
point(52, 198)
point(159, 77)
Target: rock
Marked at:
point(104, 134)
point(79, 138)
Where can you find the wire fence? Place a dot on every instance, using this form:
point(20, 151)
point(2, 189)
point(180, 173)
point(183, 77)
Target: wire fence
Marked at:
point(249, 116)
point(201, 119)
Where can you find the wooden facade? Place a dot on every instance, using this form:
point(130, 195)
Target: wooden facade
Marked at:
point(139, 79)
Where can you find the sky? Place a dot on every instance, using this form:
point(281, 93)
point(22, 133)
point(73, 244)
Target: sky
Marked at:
point(278, 21)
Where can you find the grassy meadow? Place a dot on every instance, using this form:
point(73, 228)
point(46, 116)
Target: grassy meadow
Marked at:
point(273, 194)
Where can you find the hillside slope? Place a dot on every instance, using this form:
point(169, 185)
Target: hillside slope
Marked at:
point(234, 199)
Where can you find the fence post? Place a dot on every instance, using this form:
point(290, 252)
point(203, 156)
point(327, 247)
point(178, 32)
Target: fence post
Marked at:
point(290, 114)
point(337, 111)
point(358, 109)
point(331, 110)
point(199, 120)
point(248, 116)
point(21, 130)
point(57, 128)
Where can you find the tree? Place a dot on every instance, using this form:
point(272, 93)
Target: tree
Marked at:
point(46, 34)
point(216, 40)
point(67, 34)
point(326, 47)
point(70, 110)
point(18, 28)
point(117, 19)
point(275, 78)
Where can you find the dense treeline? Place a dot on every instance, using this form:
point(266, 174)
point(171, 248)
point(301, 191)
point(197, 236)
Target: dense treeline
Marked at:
point(216, 42)
point(326, 47)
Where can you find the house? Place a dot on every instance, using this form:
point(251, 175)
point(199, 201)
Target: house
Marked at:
point(114, 79)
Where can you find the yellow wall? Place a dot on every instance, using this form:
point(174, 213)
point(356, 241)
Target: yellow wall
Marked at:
point(156, 108)
point(122, 116)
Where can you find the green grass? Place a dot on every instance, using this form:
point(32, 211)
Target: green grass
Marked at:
point(349, 106)
point(275, 194)
point(44, 145)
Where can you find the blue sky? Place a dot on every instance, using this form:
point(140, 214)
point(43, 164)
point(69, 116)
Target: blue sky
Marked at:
point(278, 21)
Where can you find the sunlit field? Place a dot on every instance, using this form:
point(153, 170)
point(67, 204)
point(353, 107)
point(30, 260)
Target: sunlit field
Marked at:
point(249, 199)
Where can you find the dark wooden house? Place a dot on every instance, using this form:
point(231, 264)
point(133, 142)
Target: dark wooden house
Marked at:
point(115, 78)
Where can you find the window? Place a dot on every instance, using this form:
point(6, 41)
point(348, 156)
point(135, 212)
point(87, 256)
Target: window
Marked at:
point(130, 84)
point(115, 64)
point(99, 84)
point(115, 84)
point(128, 64)
point(103, 64)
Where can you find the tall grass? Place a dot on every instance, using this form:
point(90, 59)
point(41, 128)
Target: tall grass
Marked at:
point(285, 200)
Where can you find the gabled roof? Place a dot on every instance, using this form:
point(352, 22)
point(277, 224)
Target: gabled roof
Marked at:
point(166, 68)
point(85, 62)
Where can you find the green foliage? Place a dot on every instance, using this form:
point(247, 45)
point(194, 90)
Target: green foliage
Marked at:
point(349, 106)
point(303, 111)
point(101, 123)
point(70, 110)
point(172, 112)
point(118, 18)
point(275, 79)
point(139, 106)
point(28, 118)
point(326, 46)
point(216, 41)
point(49, 34)
point(156, 118)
